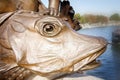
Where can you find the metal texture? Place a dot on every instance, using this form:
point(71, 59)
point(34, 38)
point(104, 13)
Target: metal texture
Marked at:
point(34, 44)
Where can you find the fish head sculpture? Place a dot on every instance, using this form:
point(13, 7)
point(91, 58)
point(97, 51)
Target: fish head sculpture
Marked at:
point(44, 45)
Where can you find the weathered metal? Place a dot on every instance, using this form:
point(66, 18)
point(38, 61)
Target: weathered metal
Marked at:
point(35, 46)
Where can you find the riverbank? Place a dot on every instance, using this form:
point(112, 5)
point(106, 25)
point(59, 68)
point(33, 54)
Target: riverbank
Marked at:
point(110, 23)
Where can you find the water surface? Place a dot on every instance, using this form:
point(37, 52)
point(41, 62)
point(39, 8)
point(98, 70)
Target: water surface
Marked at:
point(110, 68)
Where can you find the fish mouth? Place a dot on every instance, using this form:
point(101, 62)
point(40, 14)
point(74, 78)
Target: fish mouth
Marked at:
point(89, 61)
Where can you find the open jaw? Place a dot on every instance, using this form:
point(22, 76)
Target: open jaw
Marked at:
point(85, 63)
point(88, 62)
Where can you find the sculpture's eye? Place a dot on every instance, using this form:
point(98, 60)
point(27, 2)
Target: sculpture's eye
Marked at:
point(49, 30)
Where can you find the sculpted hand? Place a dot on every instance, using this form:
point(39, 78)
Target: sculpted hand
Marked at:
point(54, 7)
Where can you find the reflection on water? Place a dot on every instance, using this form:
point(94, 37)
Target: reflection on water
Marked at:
point(110, 68)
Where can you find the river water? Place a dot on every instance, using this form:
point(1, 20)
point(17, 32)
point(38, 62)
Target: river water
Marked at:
point(110, 67)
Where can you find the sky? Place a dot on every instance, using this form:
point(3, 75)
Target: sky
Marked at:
point(105, 7)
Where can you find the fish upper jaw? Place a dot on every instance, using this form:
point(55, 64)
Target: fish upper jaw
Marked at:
point(88, 54)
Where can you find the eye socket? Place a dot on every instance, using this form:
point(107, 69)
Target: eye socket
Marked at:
point(49, 29)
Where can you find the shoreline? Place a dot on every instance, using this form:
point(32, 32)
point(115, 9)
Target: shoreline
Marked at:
point(95, 25)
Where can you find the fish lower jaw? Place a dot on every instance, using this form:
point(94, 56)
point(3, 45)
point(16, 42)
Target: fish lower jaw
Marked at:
point(89, 62)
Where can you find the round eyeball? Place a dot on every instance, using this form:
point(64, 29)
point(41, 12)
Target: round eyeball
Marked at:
point(49, 28)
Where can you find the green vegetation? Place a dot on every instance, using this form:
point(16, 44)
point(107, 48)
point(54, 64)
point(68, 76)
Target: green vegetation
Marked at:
point(115, 17)
point(89, 18)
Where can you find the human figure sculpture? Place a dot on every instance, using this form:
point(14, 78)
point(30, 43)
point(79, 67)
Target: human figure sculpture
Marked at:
point(66, 9)
point(32, 5)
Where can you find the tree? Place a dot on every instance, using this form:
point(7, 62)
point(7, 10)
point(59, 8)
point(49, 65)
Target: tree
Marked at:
point(80, 18)
point(115, 17)
point(77, 16)
point(101, 19)
point(90, 18)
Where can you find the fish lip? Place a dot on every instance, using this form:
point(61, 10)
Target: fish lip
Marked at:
point(89, 58)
